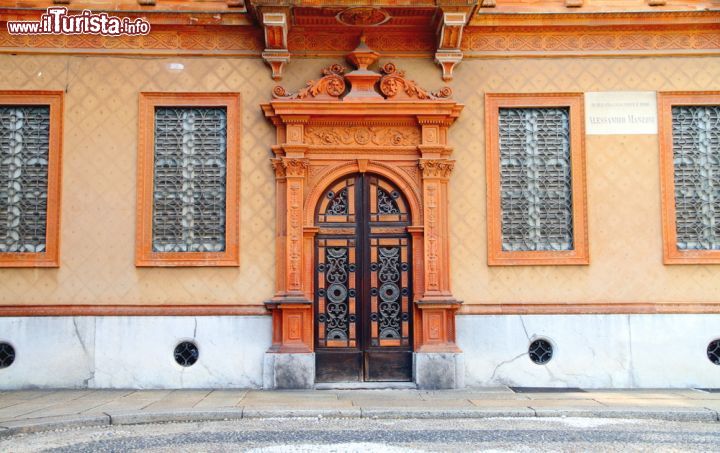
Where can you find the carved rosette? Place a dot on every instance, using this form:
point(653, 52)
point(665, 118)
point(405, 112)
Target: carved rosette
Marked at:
point(330, 86)
point(436, 168)
point(393, 84)
point(363, 16)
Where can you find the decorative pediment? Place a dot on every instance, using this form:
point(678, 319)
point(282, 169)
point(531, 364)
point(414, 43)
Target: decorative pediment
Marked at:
point(362, 84)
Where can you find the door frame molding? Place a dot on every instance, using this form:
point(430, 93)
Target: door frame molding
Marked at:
point(363, 121)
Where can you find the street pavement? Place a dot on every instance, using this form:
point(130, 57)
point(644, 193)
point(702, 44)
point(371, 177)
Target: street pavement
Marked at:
point(343, 435)
point(496, 419)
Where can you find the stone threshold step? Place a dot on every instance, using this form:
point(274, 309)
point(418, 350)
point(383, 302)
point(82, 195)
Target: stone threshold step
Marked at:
point(366, 386)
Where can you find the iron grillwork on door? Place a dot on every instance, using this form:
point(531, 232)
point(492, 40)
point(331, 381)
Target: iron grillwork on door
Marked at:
point(337, 293)
point(363, 282)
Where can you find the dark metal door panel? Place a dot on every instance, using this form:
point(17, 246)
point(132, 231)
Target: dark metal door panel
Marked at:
point(363, 288)
point(338, 366)
point(383, 366)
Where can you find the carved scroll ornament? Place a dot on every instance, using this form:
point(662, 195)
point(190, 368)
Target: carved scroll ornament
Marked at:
point(394, 84)
point(331, 85)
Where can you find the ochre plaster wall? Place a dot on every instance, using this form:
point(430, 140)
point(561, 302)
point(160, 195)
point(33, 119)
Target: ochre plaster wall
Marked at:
point(623, 190)
point(99, 173)
point(98, 194)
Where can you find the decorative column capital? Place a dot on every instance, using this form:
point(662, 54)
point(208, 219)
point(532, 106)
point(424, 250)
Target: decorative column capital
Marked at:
point(295, 167)
point(289, 167)
point(279, 168)
point(436, 168)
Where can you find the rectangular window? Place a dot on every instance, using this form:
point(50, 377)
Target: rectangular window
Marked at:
point(30, 143)
point(188, 179)
point(690, 159)
point(536, 183)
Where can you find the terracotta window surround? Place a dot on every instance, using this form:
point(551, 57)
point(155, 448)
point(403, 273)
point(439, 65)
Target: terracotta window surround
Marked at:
point(579, 255)
point(666, 101)
point(49, 257)
point(144, 254)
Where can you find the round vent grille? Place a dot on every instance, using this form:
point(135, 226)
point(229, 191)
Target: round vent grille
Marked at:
point(540, 351)
point(7, 355)
point(713, 351)
point(186, 353)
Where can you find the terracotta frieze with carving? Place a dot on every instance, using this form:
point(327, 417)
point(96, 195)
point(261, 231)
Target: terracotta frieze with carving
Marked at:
point(362, 135)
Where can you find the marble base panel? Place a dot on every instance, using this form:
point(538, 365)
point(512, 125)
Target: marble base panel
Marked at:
point(591, 351)
point(289, 371)
point(438, 370)
point(134, 352)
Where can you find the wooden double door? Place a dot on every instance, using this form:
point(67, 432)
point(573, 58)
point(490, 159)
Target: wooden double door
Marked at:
point(363, 287)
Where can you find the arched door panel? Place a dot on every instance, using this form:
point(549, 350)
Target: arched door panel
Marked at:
point(363, 288)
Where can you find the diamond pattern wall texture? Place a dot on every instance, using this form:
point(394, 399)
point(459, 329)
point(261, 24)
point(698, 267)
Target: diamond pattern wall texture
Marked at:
point(97, 228)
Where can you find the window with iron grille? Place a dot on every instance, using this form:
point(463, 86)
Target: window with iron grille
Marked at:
point(535, 185)
point(696, 159)
point(690, 159)
point(29, 178)
point(536, 188)
point(188, 162)
point(189, 183)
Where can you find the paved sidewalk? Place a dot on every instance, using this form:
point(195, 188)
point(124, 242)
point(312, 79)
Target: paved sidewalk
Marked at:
point(38, 410)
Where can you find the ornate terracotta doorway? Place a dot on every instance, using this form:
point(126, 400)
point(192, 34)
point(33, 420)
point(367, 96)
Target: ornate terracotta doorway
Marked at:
point(363, 282)
point(360, 132)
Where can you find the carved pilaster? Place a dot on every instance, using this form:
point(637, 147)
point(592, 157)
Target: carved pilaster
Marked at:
point(295, 171)
point(292, 310)
point(437, 306)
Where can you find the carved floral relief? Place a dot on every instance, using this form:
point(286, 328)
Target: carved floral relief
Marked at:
point(362, 135)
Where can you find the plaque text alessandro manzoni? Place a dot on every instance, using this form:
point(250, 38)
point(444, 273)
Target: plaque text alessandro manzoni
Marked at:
point(620, 112)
